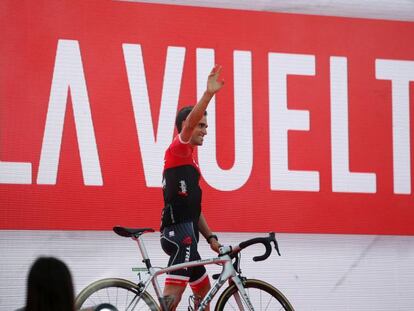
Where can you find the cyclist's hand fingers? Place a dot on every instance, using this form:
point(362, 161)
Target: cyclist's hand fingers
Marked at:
point(215, 246)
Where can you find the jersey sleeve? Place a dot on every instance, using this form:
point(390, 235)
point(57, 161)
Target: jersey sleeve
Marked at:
point(179, 148)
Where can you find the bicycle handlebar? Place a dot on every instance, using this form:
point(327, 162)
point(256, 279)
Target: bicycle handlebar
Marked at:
point(266, 243)
point(233, 251)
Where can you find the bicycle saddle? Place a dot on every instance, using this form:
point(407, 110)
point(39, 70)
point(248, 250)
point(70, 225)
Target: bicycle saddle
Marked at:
point(129, 232)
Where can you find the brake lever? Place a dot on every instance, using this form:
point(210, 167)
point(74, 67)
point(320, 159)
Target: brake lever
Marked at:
point(272, 238)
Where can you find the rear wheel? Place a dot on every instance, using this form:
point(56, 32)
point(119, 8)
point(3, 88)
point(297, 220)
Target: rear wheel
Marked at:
point(262, 295)
point(115, 295)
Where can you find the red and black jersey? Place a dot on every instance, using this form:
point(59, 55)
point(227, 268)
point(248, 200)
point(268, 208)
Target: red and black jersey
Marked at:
point(182, 193)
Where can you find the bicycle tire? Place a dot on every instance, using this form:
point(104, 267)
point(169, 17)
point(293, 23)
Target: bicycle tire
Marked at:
point(274, 299)
point(99, 293)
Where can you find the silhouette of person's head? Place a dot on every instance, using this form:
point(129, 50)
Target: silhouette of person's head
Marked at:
point(49, 286)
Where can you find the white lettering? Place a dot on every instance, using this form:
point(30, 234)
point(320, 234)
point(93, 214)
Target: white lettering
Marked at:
point(283, 119)
point(342, 179)
point(15, 172)
point(153, 148)
point(68, 74)
point(236, 177)
point(400, 73)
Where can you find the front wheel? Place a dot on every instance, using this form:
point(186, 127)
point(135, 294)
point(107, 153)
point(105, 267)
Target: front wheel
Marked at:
point(262, 295)
point(115, 295)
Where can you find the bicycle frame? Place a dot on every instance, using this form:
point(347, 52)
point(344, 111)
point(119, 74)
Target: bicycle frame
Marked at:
point(227, 273)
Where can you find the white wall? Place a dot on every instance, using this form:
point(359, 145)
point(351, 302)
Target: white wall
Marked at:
point(316, 272)
point(375, 9)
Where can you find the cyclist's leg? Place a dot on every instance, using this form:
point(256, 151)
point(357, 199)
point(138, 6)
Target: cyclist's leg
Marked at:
point(199, 280)
point(177, 242)
point(175, 292)
point(200, 288)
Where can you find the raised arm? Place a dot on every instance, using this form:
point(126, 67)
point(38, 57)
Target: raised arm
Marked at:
point(213, 86)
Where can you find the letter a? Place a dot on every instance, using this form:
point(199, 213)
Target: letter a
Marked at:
point(68, 73)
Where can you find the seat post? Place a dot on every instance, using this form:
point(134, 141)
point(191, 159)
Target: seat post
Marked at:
point(143, 251)
point(147, 262)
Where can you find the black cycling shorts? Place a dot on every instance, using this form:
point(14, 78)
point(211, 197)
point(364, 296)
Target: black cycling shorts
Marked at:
point(180, 241)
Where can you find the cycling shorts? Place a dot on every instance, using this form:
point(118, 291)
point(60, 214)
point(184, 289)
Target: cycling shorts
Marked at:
point(180, 241)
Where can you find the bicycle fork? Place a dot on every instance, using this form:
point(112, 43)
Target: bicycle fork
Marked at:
point(228, 273)
point(241, 290)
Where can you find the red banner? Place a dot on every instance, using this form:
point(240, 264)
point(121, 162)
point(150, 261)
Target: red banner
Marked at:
point(312, 132)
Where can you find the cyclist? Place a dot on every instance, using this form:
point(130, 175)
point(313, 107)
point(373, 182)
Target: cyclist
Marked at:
point(182, 219)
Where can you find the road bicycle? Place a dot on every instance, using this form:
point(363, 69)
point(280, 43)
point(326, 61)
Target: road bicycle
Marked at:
point(115, 294)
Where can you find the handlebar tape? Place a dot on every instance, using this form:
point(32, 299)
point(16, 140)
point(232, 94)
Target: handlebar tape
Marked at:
point(267, 244)
point(264, 241)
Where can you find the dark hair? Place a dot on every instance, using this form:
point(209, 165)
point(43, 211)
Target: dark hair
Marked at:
point(182, 115)
point(49, 286)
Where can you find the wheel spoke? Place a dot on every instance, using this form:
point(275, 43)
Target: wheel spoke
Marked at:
point(268, 303)
point(116, 293)
point(262, 296)
point(107, 295)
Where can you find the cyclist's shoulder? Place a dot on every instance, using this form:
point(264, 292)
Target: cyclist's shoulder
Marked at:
point(179, 148)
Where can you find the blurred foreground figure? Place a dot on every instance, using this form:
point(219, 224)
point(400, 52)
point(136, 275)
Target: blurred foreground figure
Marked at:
point(49, 286)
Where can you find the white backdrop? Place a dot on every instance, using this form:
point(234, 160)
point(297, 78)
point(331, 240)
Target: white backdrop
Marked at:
point(316, 272)
point(376, 9)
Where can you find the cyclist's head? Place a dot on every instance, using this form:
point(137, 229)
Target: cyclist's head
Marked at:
point(182, 115)
point(49, 286)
